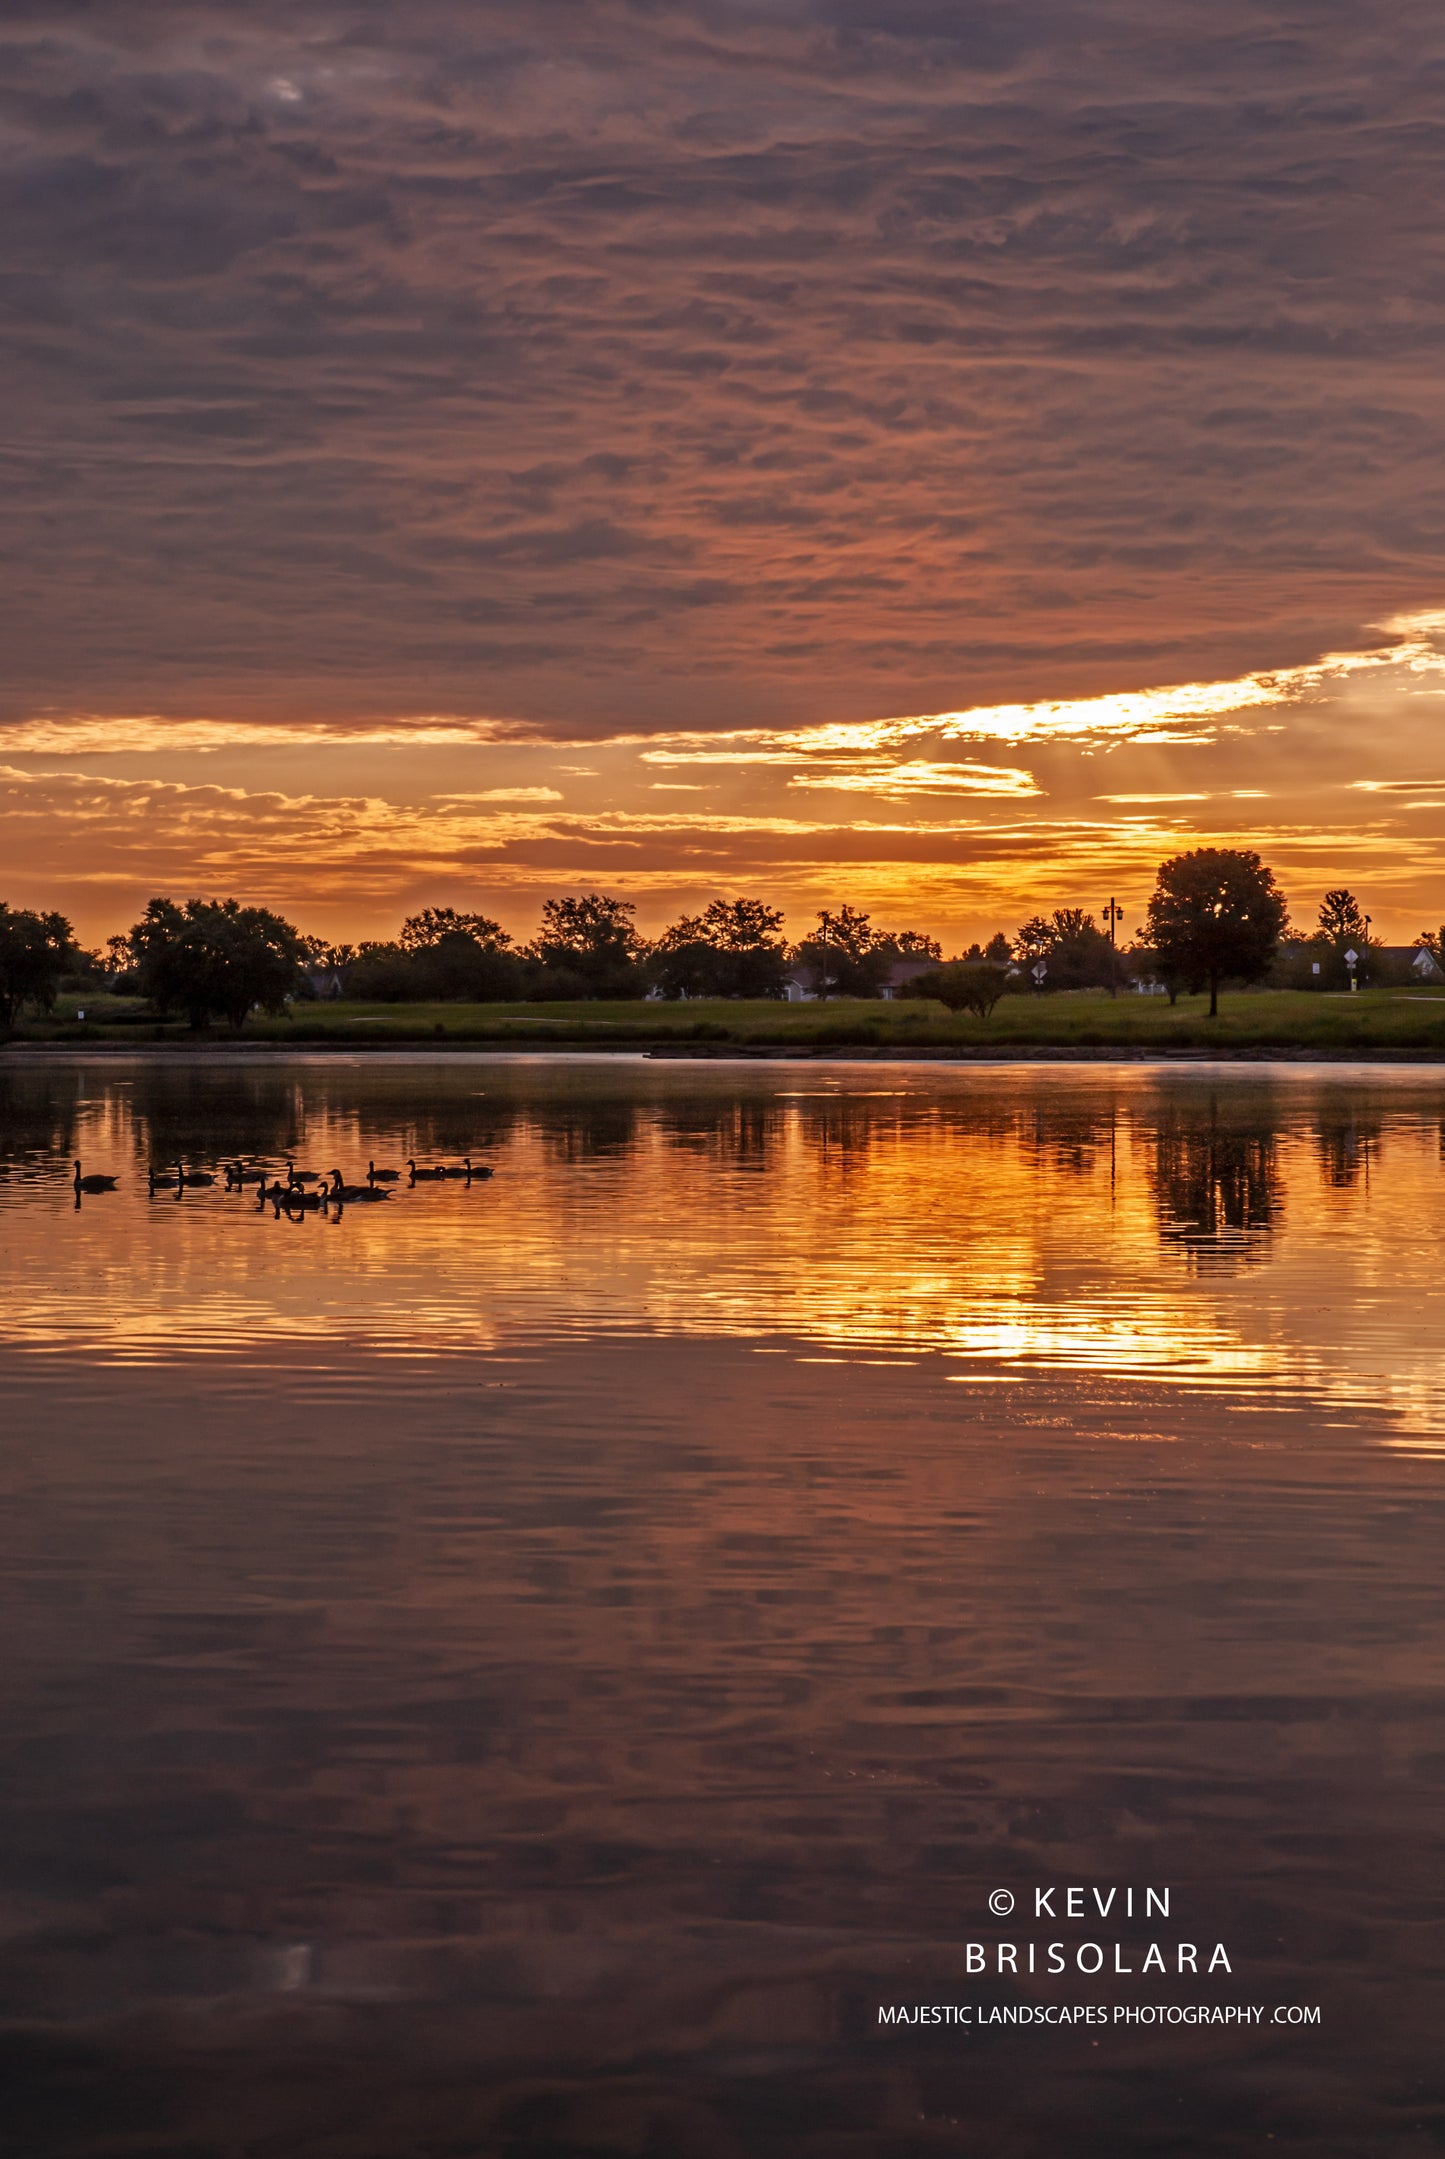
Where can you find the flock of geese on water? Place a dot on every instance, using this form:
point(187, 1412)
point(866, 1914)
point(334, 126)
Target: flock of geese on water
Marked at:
point(300, 1190)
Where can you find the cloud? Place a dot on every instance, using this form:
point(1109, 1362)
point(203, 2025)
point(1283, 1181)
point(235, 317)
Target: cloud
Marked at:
point(1171, 715)
point(915, 777)
point(100, 846)
point(502, 794)
point(142, 734)
point(1007, 424)
point(601, 364)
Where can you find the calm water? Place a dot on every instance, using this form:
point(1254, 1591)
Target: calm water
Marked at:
point(531, 1668)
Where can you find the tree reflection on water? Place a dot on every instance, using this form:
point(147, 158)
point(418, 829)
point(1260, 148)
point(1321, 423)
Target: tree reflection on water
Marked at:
point(1219, 1186)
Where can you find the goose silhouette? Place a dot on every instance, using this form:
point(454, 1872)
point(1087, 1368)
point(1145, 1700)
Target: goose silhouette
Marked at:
point(295, 1196)
point(302, 1176)
point(195, 1176)
point(424, 1176)
point(164, 1180)
point(94, 1183)
point(340, 1191)
point(381, 1176)
point(452, 1169)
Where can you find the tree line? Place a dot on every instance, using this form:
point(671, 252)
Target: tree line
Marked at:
point(1216, 917)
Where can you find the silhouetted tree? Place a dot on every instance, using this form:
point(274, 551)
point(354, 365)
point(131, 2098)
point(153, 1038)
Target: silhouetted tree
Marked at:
point(1033, 940)
point(966, 986)
point(452, 956)
point(732, 949)
point(844, 955)
point(118, 959)
point(1215, 913)
point(908, 945)
point(35, 951)
point(321, 954)
point(1070, 942)
point(215, 958)
point(434, 925)
point(1340, 918)
point(382, 973)
point(458, 966)
point(588, 946)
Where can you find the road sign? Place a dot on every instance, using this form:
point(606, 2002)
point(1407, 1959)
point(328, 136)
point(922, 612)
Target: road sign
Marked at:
point(1352, 957)
point(1039, 972)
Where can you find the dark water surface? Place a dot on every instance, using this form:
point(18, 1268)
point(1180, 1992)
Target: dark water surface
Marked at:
point(530, 1668)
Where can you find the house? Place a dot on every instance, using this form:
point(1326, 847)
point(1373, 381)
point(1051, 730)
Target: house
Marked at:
point(901, 973)
point(799, 989)
point(1409, 962)
point(325, 982)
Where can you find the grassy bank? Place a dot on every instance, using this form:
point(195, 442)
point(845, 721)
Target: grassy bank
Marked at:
point(1393, 1021)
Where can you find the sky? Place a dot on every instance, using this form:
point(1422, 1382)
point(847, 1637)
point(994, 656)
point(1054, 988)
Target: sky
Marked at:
point(938, 456)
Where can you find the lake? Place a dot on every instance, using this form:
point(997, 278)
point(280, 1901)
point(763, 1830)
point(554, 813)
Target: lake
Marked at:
point(561, 1664)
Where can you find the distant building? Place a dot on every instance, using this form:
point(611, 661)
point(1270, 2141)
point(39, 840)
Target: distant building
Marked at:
point(1416, 960)
point(325, 982)
point(902, 972)
point(799, 982)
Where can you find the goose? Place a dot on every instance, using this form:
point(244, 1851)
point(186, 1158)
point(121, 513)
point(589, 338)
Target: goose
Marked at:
point(275, 1192)
point(93, 1183)
point(340, 1191)
point(164, 1181)
point(294, 1196)
point(381, 1176)
point(452, 1170)
point(423, 1176)
point(237, 1174)
point(302, 1176)
point(195, 1176)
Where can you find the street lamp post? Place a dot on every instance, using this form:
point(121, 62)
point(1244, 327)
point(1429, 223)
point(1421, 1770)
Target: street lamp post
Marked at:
point(1113, 913)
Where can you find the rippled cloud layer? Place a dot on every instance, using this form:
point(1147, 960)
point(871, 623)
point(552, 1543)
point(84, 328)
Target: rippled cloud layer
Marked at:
point(400, 402)
point(605, 361)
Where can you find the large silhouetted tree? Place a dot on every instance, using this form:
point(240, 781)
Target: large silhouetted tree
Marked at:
point(732, 949)
point(215, 959)
point(451, 955)
point(434, 925)
point(1213, 914)
point(590, 941)
point(35, 951)
point(1341, 919)
point(845, 953)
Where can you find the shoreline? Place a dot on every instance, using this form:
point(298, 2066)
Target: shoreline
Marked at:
point(663, 1052)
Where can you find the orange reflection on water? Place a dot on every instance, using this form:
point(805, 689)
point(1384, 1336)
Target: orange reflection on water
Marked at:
point(1272, 1232)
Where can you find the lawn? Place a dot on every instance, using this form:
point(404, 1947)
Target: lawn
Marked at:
point(1090, 1020)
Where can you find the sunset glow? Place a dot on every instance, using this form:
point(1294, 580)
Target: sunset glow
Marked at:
point(517, 427)
point(100, 813)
